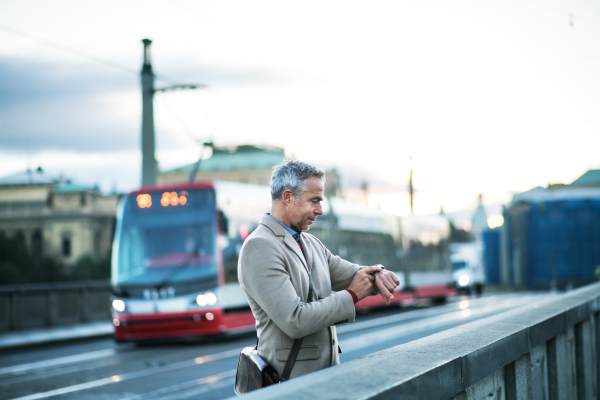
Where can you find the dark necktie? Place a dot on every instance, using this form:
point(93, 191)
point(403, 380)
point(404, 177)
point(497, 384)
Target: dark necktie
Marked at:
point(296, 236)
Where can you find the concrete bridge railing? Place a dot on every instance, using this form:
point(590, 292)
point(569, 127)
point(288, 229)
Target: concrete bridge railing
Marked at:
point(547, 350)
point(54, 304)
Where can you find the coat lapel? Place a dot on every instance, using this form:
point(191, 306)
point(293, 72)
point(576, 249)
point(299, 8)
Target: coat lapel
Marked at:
point(307, 252)
point(293, 245)
point(289, 241)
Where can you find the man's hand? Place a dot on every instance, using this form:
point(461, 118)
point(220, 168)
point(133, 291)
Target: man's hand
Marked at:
point(362, 284)
point(385, 283)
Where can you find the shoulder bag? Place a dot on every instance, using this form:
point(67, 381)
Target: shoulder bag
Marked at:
point(254, 373)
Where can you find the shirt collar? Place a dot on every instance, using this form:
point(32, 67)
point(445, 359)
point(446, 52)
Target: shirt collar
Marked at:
point(290, 230)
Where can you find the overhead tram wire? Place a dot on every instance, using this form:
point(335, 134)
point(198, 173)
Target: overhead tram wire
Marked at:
point(103, 62)
point(179, 119)
point(77, 53)
point(67, 50)
point(208, 143)
point(205, 115)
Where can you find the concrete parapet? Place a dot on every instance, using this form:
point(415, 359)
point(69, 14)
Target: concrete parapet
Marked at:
point(57, 304)
point(543, 350)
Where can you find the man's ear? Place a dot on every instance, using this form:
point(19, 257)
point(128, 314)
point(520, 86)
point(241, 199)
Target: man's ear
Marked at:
point(287, 196)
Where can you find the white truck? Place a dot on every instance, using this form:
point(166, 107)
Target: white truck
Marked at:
point(467, 267)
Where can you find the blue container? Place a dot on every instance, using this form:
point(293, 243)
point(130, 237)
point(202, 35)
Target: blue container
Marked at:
point(563, 243)
point(491, 255)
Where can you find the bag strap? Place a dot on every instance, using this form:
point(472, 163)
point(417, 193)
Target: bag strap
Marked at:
point(289, 364)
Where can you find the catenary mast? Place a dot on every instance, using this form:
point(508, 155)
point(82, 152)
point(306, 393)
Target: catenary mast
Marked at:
point(149, 165)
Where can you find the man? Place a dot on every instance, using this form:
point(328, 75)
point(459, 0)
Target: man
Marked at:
point(273, 270)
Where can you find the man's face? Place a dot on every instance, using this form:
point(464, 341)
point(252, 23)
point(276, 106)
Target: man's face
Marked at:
point(305, 209)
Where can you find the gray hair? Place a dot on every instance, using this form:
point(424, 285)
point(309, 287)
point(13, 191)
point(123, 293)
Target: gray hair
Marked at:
point(292, 174)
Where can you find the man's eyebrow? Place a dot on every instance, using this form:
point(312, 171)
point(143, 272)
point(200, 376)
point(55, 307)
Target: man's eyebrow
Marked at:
point(317, 198)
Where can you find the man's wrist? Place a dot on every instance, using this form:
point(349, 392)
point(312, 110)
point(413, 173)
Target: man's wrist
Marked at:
point(354, 296)
point(378, 265)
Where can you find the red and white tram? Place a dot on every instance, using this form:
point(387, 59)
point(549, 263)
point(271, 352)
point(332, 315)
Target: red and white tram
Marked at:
point(175, 253)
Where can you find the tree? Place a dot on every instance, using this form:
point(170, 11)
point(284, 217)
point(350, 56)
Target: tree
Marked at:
point(459, 235)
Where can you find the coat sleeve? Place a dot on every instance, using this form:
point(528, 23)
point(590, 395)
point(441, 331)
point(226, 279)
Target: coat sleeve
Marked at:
point(341, 271)
point(264, 277)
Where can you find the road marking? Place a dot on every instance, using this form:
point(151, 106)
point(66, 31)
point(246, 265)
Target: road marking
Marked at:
point(211, 383)
point(131, 375)
point(58, 361)
point(69, 389)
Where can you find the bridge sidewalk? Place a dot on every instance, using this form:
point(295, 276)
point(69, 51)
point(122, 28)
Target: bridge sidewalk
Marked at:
point(15, 339)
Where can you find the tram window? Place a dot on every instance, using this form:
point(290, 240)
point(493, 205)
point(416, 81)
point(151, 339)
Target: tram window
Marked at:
point(223, 223)
point(168, 240)
point(132, 252)
point(174, 241)
point(230, 260)
point(175, 252)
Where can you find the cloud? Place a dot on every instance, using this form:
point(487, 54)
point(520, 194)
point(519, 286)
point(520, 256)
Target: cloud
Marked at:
point(56, 107)
point(87, 107)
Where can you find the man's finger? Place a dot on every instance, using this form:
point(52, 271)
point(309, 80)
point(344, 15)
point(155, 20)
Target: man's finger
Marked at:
point(371, 269)
point(387, 297)
point(386, 294)
point(388, 281)
point(392, 279)
point(384, 289)
point(391, 285)
point(395, 279)
point(386, 285)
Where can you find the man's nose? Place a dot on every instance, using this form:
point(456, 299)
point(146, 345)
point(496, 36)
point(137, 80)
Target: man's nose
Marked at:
point(319, 209)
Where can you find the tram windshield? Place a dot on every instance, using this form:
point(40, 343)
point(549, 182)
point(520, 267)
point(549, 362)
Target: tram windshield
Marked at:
point(167, 239)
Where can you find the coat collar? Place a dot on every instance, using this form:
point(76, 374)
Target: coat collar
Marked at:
point(288, 239)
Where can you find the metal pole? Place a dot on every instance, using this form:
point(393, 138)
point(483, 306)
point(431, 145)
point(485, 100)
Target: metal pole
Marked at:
point(196, 167)
point(149, 165)
point(411, 190)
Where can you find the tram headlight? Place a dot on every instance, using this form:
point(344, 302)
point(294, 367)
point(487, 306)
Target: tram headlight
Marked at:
point(463, 280)
point(118, 305)
point(201, 300)
point(206, 299)
point(211, 298)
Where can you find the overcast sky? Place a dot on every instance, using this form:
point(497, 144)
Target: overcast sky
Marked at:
point(494, 97)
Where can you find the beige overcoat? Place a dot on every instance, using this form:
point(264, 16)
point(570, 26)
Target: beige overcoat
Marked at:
point(273, 273)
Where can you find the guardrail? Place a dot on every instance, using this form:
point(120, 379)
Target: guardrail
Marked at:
point(53, 304)
point(544, 350)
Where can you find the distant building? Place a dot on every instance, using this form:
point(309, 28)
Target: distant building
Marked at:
point(55, 217)
point(245, 164)
point(590, 179)
point(479, 221)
